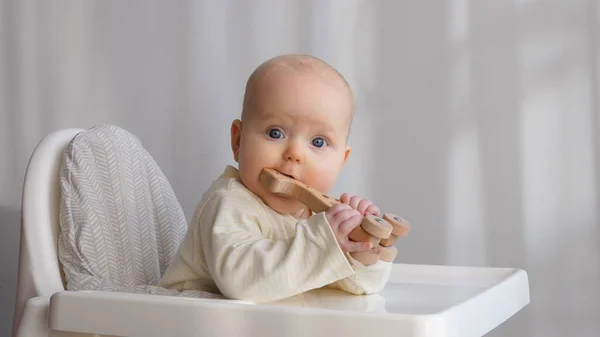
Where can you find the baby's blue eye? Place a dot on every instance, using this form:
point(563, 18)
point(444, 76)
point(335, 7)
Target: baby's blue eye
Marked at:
point(275, 134)
point(318, 142)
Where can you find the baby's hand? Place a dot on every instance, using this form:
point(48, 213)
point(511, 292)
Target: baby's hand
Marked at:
point(364, 206)
point(343, 219)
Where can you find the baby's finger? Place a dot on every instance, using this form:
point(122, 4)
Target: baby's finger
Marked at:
point(345, 198)
point(350, 223)
point(354, 201)
point(343, 215)
point(337, 208)
point(353, 246)
point(372, 209)
point(363, 205)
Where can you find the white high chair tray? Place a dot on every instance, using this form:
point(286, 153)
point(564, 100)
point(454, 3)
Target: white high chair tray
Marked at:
point(418, 301)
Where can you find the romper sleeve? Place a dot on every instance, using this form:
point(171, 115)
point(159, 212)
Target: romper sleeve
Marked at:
point(366, 280)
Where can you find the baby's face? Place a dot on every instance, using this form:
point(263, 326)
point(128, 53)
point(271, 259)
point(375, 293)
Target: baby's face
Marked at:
point(298, 125)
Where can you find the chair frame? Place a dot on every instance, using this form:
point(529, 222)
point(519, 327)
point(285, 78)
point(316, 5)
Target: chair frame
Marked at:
point(39, 274)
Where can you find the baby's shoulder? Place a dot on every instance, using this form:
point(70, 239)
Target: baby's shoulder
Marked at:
point(233, 193)
point(233, 188)
point(227, 200)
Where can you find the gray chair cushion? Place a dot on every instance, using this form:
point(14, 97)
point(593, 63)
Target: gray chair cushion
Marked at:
point(121, 223)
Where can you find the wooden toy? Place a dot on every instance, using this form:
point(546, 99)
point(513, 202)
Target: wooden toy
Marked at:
point(388, 254)
point(401, 227)
point(381, 232)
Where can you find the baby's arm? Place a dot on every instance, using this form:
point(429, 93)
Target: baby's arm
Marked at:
point(246, 265)
point(367, 279)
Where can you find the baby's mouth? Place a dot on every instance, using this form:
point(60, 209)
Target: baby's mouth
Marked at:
point(287, 175)
point(283, 196)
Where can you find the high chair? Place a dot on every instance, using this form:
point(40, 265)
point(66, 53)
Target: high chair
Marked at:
point(64, 291)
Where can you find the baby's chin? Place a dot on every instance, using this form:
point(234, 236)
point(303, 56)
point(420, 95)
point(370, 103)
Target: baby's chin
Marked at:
point(284, 205)
point(280, 203)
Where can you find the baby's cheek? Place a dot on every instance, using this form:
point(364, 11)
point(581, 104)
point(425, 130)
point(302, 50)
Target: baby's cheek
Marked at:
point(324, 181)
point(324, 173)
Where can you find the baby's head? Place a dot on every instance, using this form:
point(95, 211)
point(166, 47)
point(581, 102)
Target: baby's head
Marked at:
point(296, 119)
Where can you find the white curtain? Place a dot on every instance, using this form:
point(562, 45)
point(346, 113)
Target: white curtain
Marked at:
point(479, 121)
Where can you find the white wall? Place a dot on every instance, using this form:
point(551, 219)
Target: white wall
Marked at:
point(478, 121)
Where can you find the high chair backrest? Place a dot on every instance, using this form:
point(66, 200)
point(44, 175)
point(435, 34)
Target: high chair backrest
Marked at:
point(121, 223)
point(39, 272)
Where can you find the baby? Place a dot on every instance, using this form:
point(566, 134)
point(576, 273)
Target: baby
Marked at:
point(250, 244)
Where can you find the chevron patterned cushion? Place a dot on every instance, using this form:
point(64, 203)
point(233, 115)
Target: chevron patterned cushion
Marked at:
point(120, 221)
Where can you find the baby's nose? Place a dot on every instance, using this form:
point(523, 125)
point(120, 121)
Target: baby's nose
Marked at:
point(293, 156)
point(293, 153)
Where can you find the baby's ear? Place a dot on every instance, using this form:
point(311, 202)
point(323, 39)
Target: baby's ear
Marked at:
point(236, 135)
point(347, 153)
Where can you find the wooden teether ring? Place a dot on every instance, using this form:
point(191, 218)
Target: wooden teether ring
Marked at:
point(388, 254)
point(400, 226)
point(360, 235)
point(377, 229)
point(368, 257)
point(376, 226)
